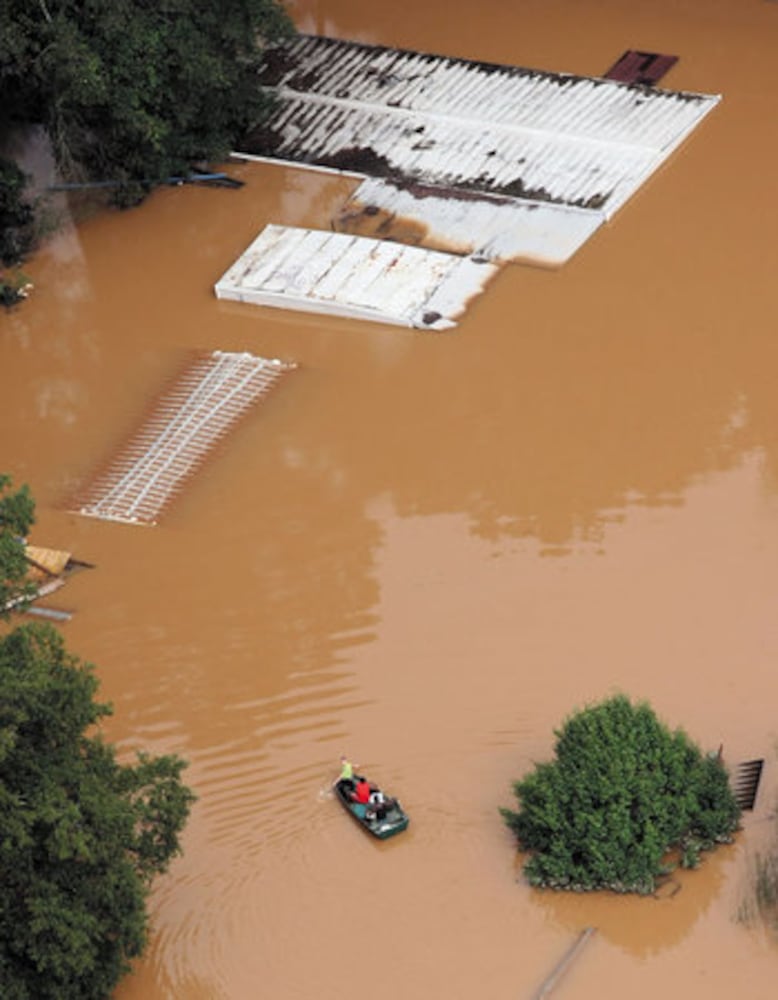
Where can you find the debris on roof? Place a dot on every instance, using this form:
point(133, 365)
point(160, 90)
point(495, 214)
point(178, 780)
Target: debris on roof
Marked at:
point(465, 222)
point(644, 68)
point(343, 275)
point(584, 142)
point(199, 408)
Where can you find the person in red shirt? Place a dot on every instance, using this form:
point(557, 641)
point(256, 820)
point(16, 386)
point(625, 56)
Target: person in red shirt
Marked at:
point(362, 791)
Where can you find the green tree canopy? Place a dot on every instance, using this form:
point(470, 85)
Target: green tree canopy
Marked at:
point(135, 89)
point(82, 835)
point(621, 793)
point(16, 215)
point(17, 515)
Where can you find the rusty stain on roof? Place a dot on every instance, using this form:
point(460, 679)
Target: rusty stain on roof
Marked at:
point(497, 228)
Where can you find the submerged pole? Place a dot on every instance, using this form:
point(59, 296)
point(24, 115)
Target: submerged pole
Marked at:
point(552, 981)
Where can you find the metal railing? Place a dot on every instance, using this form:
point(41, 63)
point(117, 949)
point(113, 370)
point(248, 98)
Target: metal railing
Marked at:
point(200, 408)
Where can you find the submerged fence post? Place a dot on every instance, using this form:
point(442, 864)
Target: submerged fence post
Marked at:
point(552, 981)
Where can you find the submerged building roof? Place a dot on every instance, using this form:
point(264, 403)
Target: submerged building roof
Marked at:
point(578, 141)
point(342, 275)
point(198, 409)
point(471, 161)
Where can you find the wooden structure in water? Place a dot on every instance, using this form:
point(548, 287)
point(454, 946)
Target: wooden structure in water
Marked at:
point(745, 783)
point(646, 68)
point(48, 570)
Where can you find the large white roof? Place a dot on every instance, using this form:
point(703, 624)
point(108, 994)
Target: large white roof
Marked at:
point(414, 117)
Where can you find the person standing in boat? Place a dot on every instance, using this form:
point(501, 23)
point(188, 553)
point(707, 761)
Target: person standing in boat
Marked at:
point(348, 777)
point(346, 769)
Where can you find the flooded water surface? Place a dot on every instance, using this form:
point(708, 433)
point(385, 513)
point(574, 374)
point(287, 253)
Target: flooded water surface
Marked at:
point(426, 550)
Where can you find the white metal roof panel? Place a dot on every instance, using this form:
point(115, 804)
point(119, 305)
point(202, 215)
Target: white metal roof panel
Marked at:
point(579, 141)
point(457, 221)
point(342, 275)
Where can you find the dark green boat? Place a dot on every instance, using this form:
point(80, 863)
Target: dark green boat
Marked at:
point(382, 819)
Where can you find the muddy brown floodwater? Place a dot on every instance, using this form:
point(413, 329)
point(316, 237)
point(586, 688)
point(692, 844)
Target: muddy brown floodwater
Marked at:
point(427, 549)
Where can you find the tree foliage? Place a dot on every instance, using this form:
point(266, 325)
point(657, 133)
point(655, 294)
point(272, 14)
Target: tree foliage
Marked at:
point(16, 215)
point(135, 89)
point(622, 792)
point(82, 835)
point(17, 218)
point(17, 515)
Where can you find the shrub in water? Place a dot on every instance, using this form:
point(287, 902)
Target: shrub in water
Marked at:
point(621, 793)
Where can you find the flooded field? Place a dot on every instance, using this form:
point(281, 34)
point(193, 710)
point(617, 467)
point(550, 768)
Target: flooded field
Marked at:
point(426, 550)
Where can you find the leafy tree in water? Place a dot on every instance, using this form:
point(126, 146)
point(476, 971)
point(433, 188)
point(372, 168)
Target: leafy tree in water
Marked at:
point(17, 515)
point(82, 835)
point(135, 89)
point(16, 215)
point(622, 792)
point(16, 230)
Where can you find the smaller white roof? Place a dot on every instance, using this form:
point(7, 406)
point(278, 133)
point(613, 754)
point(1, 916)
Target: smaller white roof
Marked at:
point(341, 275)
point(464, 222)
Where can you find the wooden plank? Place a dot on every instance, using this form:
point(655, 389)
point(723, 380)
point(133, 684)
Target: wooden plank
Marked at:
point(50, 562)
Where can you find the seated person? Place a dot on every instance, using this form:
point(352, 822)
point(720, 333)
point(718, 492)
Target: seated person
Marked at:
point(362, 792)
point(376, 810)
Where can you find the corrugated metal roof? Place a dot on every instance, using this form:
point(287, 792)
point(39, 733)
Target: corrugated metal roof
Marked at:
point(572, 140)
point(463, 222)
point(199, 408)
point(325, 272)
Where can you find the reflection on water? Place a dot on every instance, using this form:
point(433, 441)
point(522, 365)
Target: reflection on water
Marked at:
point(646, 926)
point(361, 567)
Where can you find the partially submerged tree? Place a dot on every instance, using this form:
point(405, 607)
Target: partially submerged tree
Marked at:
point(17, 515)
point(16, 215)
point(622, 793)
point(134, 90)
point(82, 835)
point(16, 231)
